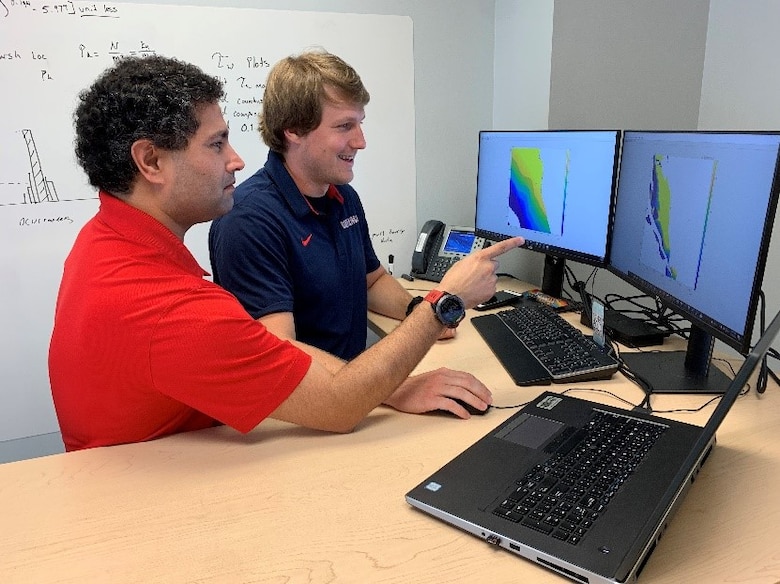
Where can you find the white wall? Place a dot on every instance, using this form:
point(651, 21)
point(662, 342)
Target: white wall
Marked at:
point(741, 88)
point(627, 63)
point(521, 98)
point(521, 66)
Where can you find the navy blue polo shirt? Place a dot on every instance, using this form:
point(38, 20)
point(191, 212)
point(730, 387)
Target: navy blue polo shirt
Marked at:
point(278, 251)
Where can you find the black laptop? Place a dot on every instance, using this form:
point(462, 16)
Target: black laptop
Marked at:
point(581, 488)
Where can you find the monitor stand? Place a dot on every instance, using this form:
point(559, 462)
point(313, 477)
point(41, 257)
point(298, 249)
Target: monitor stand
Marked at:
point(688, 371)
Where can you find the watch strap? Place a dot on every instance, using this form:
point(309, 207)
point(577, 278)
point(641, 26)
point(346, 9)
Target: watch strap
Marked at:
point(413, 303)
point(434, 295)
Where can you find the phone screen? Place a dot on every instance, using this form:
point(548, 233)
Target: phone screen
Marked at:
point(460, 241)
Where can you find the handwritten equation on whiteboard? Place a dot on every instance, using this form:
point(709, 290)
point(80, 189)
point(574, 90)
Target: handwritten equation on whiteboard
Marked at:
point(50, 52)
point(389, 235)
point(243, 76)
point(95, 9)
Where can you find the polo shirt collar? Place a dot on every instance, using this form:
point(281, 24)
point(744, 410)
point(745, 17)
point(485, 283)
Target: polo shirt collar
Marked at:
point(298, 203)
point(136, 225)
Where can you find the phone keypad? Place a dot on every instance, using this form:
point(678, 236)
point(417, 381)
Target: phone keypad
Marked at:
point(439, 267)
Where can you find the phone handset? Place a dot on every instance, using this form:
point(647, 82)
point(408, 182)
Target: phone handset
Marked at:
point(427, 245)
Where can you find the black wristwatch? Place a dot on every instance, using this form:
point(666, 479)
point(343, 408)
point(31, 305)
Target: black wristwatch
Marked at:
point(413, 303)
point(448, 308)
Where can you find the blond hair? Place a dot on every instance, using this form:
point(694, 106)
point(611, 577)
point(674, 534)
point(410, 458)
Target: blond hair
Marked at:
point(296, 89)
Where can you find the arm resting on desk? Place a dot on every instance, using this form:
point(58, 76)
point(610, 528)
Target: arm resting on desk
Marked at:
point(433, 390)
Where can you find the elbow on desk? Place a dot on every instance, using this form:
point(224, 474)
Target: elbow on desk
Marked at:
point(334, 423)
point(344, 429)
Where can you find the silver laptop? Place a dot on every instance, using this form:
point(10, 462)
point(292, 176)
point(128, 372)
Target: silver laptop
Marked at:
point(581, 488)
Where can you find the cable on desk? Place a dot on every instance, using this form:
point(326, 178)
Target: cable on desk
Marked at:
point(598, 390)
point(765, 372)
point(508, 275)
point(629, 403)
point(672, 411)
point(642, 383)
point(657, 314)
point(513, 407)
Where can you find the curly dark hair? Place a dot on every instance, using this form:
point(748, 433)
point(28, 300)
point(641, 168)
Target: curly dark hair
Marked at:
point(152, 98)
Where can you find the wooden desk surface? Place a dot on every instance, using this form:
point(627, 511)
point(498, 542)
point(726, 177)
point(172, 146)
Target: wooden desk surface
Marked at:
point(285, 504)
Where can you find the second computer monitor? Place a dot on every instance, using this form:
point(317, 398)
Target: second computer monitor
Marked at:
point(694, 214)
point(553, 187)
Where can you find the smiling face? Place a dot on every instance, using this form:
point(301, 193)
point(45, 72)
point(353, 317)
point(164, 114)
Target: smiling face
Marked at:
point(326, 155)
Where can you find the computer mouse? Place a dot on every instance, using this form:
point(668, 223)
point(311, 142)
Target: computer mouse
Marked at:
point(471, 409)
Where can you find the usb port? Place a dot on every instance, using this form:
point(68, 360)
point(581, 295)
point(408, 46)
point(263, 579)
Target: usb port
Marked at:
point(493, 539)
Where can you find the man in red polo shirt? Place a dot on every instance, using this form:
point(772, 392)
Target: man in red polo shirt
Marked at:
point(143, 346)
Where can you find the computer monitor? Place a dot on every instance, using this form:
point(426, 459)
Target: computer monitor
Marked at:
point(693, 218)
point(553, 187)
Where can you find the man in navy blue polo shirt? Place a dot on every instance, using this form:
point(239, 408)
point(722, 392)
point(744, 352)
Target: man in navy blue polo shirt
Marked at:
point(297, 257)
point(295, 249)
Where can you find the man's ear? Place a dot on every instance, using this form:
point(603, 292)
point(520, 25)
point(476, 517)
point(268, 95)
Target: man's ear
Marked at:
point(292, 136)
point(147, 158)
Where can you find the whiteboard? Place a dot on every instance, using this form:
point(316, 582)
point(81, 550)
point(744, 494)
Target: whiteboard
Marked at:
point(50, 52)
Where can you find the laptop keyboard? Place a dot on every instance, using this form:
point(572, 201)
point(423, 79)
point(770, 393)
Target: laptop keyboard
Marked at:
point(563, 496)
point(560, 349)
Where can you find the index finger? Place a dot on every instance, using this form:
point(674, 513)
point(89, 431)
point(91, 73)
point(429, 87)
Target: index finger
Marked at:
point(500, 247)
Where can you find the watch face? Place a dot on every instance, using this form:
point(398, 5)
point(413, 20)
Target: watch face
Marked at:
point(451, 310)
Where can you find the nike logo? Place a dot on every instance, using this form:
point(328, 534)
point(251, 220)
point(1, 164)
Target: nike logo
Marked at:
point(305, 241)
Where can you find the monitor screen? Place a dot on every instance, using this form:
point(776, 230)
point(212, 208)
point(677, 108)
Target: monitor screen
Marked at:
point(693, 218)
point(553, 187)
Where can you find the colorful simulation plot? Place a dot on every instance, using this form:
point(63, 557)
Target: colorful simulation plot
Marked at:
point(660, 213)
point(678, 209)
point(525, 189)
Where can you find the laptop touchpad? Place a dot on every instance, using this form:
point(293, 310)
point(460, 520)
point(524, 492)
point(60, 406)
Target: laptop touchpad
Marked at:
point(529, 431)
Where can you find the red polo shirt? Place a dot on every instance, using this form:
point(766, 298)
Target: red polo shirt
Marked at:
point(144, 347)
